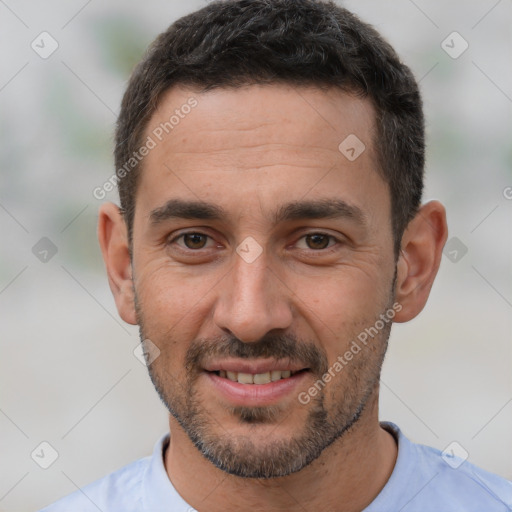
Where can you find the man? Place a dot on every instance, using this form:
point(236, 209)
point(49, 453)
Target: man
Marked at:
point(270, 156)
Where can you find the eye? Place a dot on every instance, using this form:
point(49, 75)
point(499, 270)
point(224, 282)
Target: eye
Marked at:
point(193, 241)
point(316, 241)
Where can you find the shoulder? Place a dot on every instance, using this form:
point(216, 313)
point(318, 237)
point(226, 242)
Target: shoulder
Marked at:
point(118, 491)
point(460, 485)
point(425, 478)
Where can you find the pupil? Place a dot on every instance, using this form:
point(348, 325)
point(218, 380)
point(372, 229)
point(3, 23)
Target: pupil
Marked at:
point(194, 241)
point(318, 241)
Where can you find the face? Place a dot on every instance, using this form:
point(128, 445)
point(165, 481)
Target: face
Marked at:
point(263, 258)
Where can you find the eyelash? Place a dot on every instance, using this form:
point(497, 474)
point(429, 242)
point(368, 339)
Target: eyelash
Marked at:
point(324, 250)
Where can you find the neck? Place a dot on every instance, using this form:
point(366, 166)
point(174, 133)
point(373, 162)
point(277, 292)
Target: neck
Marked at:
point(346, 477)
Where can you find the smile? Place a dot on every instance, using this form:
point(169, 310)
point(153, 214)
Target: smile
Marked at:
point(256, 382)
point(256, 378)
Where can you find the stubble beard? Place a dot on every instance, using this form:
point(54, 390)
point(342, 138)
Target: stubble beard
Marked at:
point(238, 454)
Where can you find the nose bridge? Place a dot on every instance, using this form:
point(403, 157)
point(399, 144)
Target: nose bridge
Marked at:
point(249, 280)
point(252, 301)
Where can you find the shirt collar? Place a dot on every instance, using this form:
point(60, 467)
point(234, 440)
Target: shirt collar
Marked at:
point(158, 492)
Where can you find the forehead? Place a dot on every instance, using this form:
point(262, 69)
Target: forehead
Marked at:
point(266, 142)
point(278, 113)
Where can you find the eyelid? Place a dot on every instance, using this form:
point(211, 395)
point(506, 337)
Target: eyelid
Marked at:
point(174, 237)
point(336, 239)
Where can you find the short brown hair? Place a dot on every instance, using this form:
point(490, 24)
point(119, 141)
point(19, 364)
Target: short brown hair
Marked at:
point(231, 43)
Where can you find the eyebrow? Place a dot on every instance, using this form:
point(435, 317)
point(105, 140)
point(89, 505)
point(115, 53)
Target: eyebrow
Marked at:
point(180, 209)
point(297, 210)
point(319, 209)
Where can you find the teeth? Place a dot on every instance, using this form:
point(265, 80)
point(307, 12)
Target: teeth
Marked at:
point(275, 375)
point(258, 378)
point(262, 378)
point(245, 378)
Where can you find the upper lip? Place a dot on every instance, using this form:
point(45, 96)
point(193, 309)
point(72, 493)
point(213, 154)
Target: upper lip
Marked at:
point(252, 366)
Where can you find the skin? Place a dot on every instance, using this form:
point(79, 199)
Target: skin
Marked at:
point(249, 151)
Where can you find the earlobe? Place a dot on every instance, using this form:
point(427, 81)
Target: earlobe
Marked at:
point(113, 239)
point(419, 259)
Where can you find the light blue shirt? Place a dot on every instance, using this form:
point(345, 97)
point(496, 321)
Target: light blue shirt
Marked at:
point(422, 481)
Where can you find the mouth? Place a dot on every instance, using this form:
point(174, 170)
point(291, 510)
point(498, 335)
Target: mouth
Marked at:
point(257, 378)
point(255, 383)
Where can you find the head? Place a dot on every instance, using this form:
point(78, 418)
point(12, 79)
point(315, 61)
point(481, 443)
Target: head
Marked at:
point(230, 44)
point(272, 224)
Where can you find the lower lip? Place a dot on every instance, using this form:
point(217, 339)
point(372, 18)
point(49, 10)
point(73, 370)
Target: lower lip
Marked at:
point(256, 394)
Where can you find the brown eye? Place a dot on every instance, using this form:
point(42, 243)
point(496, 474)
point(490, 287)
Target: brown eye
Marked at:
point(194, 240)
point(317, 241)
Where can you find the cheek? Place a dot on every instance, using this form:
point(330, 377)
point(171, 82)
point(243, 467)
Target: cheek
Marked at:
point(339, 309)
point(343, 296)
point(171, 304)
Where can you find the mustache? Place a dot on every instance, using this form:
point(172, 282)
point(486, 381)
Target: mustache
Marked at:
point(275, 346)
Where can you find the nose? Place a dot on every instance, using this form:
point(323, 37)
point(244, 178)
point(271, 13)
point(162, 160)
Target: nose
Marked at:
point(253, 301)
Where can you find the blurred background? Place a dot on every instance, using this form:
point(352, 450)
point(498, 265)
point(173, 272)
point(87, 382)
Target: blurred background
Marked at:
point(68, 374)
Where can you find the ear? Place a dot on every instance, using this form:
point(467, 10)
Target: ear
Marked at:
point(113, 238)
point(419, 259)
